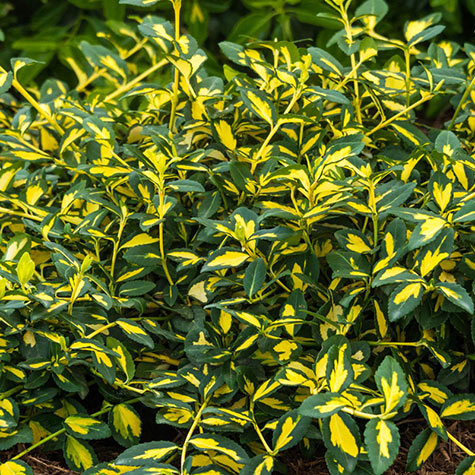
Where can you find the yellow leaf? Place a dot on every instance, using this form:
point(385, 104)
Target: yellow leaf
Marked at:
point(392, 392)
point(384, 438)
point(262, 108)
point(410, 291)
point(285, 435)
point(285, 349)
point(225, 134)
point(139, 240)
point(339, 373)
point(356, 244)
point(78, 453)
point(428, 448)
point(457, 408)
point(126, 422)
point(342, 437)
point(228, 259)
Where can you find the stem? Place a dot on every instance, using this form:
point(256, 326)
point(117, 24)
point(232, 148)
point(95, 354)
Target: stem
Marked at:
point(116, 247)
point(176, 75)
point(399, 114)
point(63, 430)
point(196, 421)
point(462, 100)
point(20, 214)
point(344, 15)
point(37, 106)
point(258, 431)
point(407, 56)
point(460, 445)
point(395, 343)
point(363, 415)
point(100, 72)
point(135, 81)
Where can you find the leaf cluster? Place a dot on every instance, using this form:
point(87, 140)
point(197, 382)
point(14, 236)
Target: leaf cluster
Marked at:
point(281, 257)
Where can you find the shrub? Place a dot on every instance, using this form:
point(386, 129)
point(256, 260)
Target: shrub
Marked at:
point(280, 257)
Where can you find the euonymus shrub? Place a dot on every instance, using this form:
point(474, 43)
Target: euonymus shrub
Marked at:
point(279, 257)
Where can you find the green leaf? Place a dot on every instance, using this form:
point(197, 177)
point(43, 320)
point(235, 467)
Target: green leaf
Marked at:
point(135, 288)
point(220, 444)
point(382, 442)
point(421, 449)
point(146, 453)
point(339, 372)
point(466, 213)
point(466, 467)
point(135, 332)
point(15, 467)
point(125, 424)
point(290, 430)
point(322, 405)
point(260, 104)
point(391, 381)
point(86, 427)
point(224, 258)
point(78, 454)
point(326, 61)
point(139, 3)
point(5, 81)
point(456, 294)
point(404, 299)
point(341, 436)
point(186, 186)
point(460, 407)
point(254, 276)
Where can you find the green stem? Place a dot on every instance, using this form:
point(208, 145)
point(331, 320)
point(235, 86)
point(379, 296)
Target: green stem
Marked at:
point(258, 431)
point(176, 76)
point(407, 56)
point(461, 102)
point(399, 114)
point(196, 421)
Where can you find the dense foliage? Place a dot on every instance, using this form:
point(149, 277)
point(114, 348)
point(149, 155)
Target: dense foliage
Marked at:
point(281, 256)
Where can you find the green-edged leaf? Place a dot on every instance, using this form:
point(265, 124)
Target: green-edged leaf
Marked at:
point(441, 189)
point(5, 81)
point(124, 358)
point(421, 449)
point(339, 372)
point(78, 454)
point(434, 391)
point(394, 275)
point(224, 258)
point(326, 61)
point(259, 465)
point(221, 445)
point(126, 424)
point(261, 105)
point(86, 427)
point(342, 438)
point(425, 232)
point(254, 276)
point(404, 299)
point(135, 288)
point(146, 453)
point(466, 213)
point(456, 294)
point(434, 421)
point(135, 332)
point(322, 405)
point(290, 429)
point(139, 3)
point(382, 442)
point(15, 467)
point(348, 264)
point(460, 407)
point(466, 467)
point(392, 383)
point(354, 241)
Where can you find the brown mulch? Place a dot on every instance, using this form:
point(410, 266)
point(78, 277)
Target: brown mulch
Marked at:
point(444, 461)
